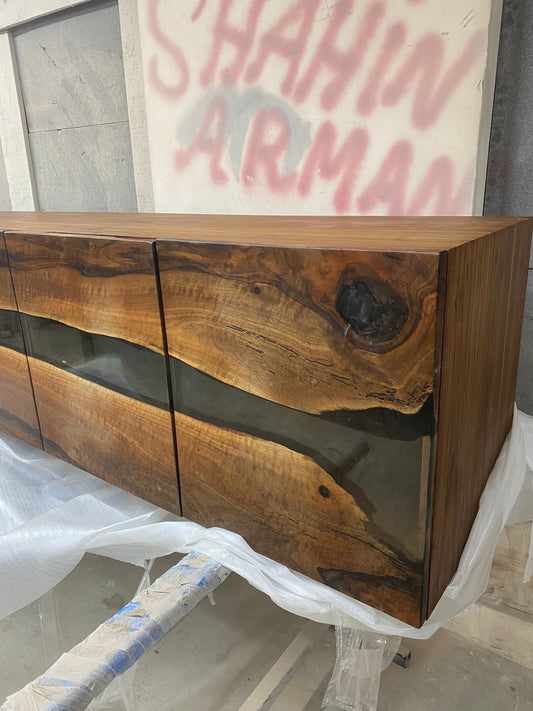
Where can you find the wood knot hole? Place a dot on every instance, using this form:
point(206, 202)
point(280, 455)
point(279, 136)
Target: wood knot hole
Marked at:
point(372, 308)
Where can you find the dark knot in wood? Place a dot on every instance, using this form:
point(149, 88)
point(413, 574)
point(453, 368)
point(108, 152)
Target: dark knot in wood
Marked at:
point(372, 308)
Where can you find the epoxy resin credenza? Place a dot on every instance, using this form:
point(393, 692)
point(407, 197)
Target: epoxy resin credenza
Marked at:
point(336, 390)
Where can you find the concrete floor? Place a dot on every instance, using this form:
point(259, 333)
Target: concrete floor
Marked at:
point(215, 658)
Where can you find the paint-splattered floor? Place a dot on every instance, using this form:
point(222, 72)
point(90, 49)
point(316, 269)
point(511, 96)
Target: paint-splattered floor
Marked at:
point(218, 655)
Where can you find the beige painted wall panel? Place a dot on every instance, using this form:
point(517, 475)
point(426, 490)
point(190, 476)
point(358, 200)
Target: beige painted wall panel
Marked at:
point(314, 106)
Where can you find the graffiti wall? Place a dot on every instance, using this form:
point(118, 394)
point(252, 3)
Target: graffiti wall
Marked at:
point(314, 106)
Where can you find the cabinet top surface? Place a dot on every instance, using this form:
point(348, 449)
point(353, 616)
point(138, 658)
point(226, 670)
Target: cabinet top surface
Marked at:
point(422, 234)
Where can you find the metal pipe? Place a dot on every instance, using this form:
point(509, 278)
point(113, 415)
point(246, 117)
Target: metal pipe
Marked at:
point(79, 676)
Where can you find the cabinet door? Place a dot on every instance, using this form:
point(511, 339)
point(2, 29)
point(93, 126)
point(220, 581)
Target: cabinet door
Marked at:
point(17, 408)
point(91, 318)
point(303, 383)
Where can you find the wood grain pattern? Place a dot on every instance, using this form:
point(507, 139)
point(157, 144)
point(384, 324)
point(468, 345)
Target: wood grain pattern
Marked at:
point(484, 301)
point(17, 408)
point(309, 358)
point(420, 234)
point(303, 518)
point(18, 416)
point(99, 285)
point(262, 341)
point(267, 321)
point(7, 296)
point(121, 440)
point(91, 317)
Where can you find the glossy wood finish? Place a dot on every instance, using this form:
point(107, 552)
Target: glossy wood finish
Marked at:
point(483, 307)
point(276, 323)
point(18, 416)
point(341, 387)
point(261, 338)
point(315, 330)
point(288, 508)
point(124, 441)
point(98, 285)
point(91, 317)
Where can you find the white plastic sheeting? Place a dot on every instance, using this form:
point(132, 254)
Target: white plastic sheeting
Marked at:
point(52, 513)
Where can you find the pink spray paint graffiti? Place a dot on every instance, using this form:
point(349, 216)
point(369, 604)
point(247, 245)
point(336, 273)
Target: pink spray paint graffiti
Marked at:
point(343, 64)
point(360, 58)
point(321, 160)
point(163, 41)
point(425, 61)
point(266, 154)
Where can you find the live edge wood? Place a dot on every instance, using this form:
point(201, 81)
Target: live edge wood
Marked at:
point(285, 351)
point(96, 284)
point(18, 416)
point(315, 330)
point(91, 317)
point(323, 332)
point(17, 408)
point(303, 518)
point(123, 441)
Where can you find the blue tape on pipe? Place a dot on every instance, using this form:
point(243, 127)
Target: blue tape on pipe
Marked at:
point(122, 639)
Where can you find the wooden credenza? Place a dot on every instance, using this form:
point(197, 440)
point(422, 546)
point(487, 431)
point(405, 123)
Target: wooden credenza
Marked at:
point(336, 390)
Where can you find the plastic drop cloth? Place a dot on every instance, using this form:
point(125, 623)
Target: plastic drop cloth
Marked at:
point(52, 513)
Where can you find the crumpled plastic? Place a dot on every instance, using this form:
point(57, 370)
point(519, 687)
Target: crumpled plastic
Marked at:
point(362, 655)
point(51, 514)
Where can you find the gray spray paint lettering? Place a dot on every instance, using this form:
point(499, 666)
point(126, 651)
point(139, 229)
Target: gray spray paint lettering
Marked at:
point(240, 111)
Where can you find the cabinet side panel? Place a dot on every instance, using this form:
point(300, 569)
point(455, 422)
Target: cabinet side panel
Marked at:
point(485, 291)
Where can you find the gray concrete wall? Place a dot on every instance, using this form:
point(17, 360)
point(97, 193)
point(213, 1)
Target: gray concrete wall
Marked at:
point(5, 200)
point(509, 191)
point(72, 81)
point(509, 188)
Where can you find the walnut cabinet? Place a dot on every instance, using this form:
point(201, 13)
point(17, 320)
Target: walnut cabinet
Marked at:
point(335, 390)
